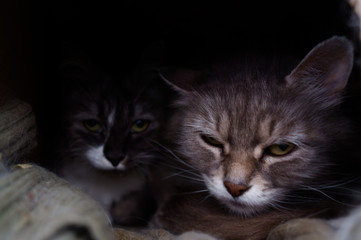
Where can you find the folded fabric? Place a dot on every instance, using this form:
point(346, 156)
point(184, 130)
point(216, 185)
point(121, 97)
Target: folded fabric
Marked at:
point(35, 204)
point(17, 130)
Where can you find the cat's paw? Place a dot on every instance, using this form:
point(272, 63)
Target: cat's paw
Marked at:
point(302, 229)
point(191, 235)
point(157, 220)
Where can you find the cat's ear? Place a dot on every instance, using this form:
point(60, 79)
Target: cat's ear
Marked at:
point(182, 81)
point(326, 68)
point(78, 73)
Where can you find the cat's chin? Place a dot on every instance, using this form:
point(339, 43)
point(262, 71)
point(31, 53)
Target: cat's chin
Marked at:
point(112, 170)
point(242, 209)
point(100, 167)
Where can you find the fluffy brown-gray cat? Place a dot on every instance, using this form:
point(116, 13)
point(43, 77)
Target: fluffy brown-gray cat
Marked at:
point(262, 135)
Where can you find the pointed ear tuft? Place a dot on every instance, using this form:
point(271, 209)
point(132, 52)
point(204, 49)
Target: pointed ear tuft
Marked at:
point(180, 80)
point(327, 66)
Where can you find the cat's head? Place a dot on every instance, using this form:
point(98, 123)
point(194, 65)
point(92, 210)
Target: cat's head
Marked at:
point(109, 120)
point(254, 137)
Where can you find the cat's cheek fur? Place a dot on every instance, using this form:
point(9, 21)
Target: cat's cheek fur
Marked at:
point(95, 156)
point(294, 170)
point(193, 149)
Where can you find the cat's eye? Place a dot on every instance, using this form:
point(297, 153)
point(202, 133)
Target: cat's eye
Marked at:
point(92, 125)
point(212, 141)
point(281, 149)
point(140, 125)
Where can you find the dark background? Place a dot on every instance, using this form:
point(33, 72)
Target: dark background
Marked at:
point(37, 35)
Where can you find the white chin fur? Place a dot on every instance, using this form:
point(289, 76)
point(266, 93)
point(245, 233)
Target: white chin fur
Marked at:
point(96, 157)
point(251, 202)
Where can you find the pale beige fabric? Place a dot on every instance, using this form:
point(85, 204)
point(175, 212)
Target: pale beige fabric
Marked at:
point(35, 204)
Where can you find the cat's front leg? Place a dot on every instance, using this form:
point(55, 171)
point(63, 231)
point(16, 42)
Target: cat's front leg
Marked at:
point(134, 209)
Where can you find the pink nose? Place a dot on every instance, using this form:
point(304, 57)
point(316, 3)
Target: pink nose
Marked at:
point(235, 190)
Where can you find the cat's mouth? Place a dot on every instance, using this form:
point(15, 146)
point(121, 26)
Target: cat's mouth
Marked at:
point(236, 204)
point(231, 202)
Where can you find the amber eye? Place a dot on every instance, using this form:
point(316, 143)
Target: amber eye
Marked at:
point(281, 149)
point(212, 141)
point(93, 125)
point(140, 125)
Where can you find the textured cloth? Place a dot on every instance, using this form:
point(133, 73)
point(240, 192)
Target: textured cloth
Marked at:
point(158, 234)
point(35, 204)
point(17, 130)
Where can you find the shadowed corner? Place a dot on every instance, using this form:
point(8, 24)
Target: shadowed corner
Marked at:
point(72, 231)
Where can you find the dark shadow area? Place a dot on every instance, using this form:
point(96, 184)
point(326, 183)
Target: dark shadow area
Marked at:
point(36, 36)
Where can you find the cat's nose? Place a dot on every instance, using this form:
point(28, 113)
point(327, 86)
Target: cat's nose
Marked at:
point(115, 159)
point(235, 190)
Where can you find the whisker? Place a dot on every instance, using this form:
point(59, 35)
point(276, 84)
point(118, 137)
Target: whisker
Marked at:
point(279, 207)
point(317, 213)
point(172, 153)
point(205, 198)
point(193, 192)
point(185, 171)
point(186, 177)
point(328, 196)
point(338, 183)
point(298, 199)
point(182, 170)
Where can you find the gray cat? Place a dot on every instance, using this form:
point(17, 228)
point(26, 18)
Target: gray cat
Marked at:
point(262, 135)
point(105, 126)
